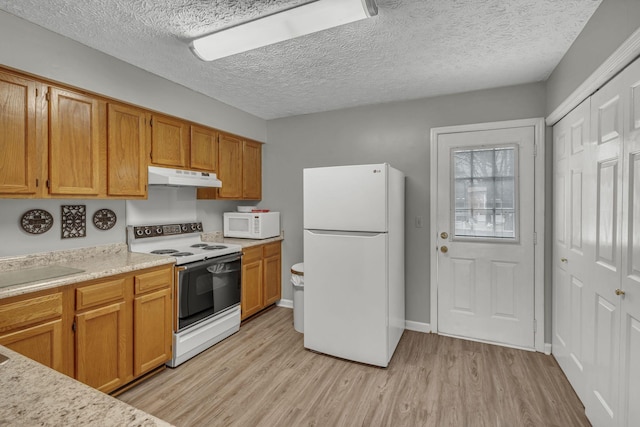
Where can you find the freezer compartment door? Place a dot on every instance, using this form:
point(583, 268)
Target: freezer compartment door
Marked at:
point(350, 198)
point(345, 295)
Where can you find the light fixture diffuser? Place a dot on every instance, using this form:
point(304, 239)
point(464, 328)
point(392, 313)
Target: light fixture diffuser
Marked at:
point(295, 22)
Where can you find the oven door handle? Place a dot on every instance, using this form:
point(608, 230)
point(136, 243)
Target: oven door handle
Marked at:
point(224, 258)
point(212, 261)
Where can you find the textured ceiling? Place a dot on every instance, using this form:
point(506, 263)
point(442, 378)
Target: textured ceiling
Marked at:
point(412, 49)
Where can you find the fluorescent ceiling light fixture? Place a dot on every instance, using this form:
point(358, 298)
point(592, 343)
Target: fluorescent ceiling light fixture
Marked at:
point(298, 21)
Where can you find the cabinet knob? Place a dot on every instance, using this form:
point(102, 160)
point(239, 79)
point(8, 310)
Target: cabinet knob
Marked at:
point(444, 249)
point(620, 292)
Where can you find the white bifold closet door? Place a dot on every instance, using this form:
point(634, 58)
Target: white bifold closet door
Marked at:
point(596, 250)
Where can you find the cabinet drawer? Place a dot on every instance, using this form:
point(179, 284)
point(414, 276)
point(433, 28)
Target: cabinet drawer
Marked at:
point(271, 249)
point(30, 311)
point(251, 254)
point(153, 280)
point(90, 296)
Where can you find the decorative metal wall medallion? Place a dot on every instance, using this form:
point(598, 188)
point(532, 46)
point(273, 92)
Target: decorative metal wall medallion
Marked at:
point(74, 221)
point(36, 221)
point(104, 219)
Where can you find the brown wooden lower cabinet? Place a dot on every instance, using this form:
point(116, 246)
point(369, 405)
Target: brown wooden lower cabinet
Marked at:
point(102, 338)
point(42, 343)
point(105, 333)
point(32, 326)
point(261, 278)
point(151, 330)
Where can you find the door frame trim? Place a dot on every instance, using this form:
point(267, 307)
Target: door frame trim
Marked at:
point(539, 218)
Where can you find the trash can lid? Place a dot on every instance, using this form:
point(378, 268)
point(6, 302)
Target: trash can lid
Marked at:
point(298, 269)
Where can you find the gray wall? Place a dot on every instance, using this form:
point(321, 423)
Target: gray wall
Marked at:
point(611, 24)
point(397, 133)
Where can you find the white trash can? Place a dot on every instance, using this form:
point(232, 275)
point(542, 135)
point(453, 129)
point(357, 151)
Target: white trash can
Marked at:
point(297, 280)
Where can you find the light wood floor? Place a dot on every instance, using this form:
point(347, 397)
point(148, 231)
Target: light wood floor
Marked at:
point(262, 376)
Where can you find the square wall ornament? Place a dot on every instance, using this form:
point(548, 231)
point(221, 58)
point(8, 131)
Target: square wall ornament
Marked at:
point(74, 221)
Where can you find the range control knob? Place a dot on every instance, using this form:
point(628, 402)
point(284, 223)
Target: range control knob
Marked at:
point(193, 227)
point(199, 226)
point(139, 231)
point(159, 230)
point(184, 228)
point(147, 231)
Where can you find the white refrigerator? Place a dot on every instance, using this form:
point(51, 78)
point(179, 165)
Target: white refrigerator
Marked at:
point(354, 261)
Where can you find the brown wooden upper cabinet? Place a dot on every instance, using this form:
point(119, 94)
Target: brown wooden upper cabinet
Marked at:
point(19, 160)
point(65, 143)
point(239, 169)
point(204, 149)
point(169, 142)
point(126, 151)
point(76, 145)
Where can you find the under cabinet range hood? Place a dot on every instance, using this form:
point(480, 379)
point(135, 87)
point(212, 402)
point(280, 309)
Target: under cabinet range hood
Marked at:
point(182, 178)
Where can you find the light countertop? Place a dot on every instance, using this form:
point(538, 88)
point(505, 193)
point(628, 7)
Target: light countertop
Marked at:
point(32, 394)
point(95, 263)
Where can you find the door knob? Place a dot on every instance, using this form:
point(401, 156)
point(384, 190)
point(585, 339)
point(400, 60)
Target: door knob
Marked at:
point(444, 249)
point(563, 260)
point(444, 235)
point(620, 292)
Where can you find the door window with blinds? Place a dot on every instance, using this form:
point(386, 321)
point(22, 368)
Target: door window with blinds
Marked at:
point(485, 185)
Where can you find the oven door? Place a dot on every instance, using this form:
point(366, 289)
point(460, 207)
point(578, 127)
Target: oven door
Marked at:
point(207, 288)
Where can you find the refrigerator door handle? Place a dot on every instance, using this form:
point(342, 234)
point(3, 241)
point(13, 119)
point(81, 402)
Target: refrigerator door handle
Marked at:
point(345, 233)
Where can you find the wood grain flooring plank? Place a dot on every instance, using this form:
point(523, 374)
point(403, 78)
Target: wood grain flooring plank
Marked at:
point(263, 376)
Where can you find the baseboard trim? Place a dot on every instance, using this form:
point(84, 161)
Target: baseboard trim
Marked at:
point(286, 303)
point(547, 348)
point(410, 325)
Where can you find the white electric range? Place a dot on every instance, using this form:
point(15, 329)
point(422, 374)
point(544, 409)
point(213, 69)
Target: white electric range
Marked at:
point(208, 281)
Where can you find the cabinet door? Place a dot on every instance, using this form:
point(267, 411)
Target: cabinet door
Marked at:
point(230, 167)
point(169, 142)
point(42, 343)
point(251, 170)
point(101, 347)
point(18, 162)
point(272, 273)
point(126, 151)
point(204, 147)
point(76, 153)
point(251, 292)
point(151, 330)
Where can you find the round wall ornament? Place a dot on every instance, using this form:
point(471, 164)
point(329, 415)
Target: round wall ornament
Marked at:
point(104, 219)
point(36, 221)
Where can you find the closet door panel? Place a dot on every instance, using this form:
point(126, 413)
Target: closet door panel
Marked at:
point(604, 172)
point(573, 303)
point(630, 285)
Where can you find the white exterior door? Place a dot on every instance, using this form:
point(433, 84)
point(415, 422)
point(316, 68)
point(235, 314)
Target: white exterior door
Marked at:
point(485, 227)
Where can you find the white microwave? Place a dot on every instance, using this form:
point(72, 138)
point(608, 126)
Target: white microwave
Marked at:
point(255, 225)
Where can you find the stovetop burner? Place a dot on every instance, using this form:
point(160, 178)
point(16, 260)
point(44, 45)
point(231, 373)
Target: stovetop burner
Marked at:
point(213, 247)
point(164, 251)
point(199, 245)
point(182, 253)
